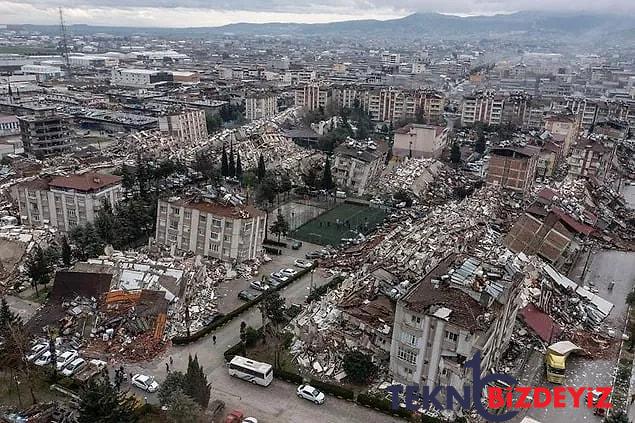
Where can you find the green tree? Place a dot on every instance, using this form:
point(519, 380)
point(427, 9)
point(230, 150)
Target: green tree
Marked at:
point(66, 252)
point(196, 382)
point(182, 408)
point(173, 382)
point(327, 177)
point(224, 165)
point(101, 402)
point(38, 268)
point(280, 226)
point(206, 166)
point(8, 319)
point(105, 223)
point(455, 153)
point(359, 367)
point(262, 171)
point(87, 241)
point(239, 166)
point(231, 164)
point(480, 144)
point(630, 298)
point(213, 122)
point(272, 309)
point(266, 190)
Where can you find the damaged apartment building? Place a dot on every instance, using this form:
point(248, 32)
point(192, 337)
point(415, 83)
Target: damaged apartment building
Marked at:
point(215, 228)
point(65, 201)
point(462, 306)
point(357, 163)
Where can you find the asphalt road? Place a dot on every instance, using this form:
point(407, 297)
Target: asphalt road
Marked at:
point(604, 267)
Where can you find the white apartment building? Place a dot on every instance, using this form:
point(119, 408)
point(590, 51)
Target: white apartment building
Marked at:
point(209, 228)
point(482, 107)
point(443, 321)
point(64, 202)
point(420, 141)
point(312, 96)
point(187, 126)
point(355, 166)
point(261, 107)
point(85, 61)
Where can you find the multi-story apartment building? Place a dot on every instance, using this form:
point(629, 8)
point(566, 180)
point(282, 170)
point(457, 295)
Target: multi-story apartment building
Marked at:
point(312, 96)
point(45, 132)
point(419, 141)
point(486, 107)
point(563, 129)
point(513, 167)
point(356, 165)
point(261, 107)
point(461, 307)
point(590, 111)
point(186, 126)
point(209, 228)
point(590, 157)
point(9, 125)
point(65, 201)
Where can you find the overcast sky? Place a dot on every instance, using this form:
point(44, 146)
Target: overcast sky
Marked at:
point(184, 13)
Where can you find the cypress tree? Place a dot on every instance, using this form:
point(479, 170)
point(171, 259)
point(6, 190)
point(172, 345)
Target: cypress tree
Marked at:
point(224, 166)
point(239, 166)
point(327, 177)
point(261, 169)
point(232, 165)
point(196, 382)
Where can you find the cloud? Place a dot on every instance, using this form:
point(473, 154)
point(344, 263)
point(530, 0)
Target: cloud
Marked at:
point(183, 13)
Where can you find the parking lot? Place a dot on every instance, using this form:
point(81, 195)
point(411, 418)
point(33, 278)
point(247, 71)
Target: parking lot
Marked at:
point(228, 290)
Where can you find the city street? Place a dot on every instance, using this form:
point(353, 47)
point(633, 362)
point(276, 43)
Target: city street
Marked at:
point(604, 267)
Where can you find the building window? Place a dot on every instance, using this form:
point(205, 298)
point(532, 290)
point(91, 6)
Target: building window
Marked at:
point(216, 222)
point(174, 224)
point(407, 371)
point(214, 236)
point(415, 319)
point(226, 238)
point(176, 211)
point(451, 336)
point(188, 214)
point(163, 209)
point(409, 339)
point(407, 356)
point(214, 247)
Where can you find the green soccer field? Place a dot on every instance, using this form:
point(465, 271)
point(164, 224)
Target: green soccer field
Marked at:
point(343, 221)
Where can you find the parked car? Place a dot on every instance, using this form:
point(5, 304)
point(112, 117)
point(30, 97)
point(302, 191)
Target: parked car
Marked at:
point(145, 383)
point(296, 245)
point(280, 276)
point(288, 272)
point(236, 416)
point(259, 285)
point(65, 358)
point(44, 359)
point(303, 264)
point(312, 255)
point(274, 283)
point(310, 393)
point(73, 366)
point(250, 420)
point(248, 295)
point(36, 351)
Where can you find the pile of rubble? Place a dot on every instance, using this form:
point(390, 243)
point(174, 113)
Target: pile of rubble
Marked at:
point(429, 180)
point(324, 332)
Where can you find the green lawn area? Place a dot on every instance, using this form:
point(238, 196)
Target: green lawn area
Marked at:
point(325, 229)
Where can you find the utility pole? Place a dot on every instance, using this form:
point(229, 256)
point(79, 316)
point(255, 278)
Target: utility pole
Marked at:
point(64, 46)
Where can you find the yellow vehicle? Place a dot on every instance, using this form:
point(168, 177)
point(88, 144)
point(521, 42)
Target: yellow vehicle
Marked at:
point(555, 366)
point(555, 360)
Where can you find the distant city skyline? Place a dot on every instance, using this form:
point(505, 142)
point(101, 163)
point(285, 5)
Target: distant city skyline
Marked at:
point(199, 13)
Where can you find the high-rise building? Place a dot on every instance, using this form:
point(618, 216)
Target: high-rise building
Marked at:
point(185, 126)
point(261, 107)
point(45, 132)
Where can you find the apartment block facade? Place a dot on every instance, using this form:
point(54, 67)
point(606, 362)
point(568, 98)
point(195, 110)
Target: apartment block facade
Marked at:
point(45, 132)
point(64, 202)
point(261, 107)
point(443, 321)
point(186, 126)
point(209, 228)
point(513, 168)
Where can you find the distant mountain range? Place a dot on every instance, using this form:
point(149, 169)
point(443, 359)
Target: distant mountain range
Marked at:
point(573, 26)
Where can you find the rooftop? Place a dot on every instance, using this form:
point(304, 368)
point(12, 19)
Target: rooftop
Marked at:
point(89, 181)
point(219, 209)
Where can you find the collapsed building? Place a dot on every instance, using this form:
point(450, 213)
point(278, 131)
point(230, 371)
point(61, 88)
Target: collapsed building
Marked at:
point(462, 306)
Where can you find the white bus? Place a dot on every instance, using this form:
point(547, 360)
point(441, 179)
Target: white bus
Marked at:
point(251, 371)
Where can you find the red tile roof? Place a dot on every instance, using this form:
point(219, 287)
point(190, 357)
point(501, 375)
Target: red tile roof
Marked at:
point(90, 181)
